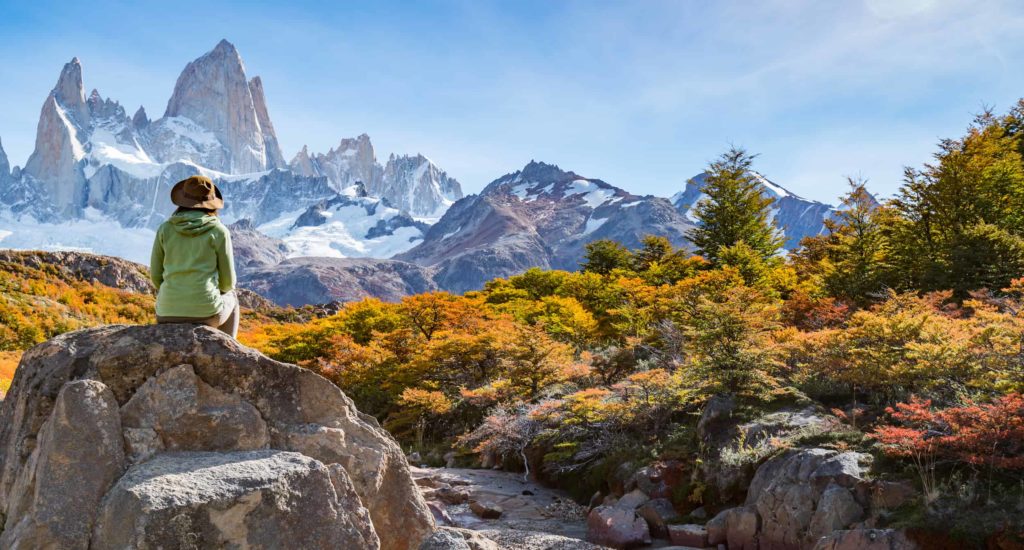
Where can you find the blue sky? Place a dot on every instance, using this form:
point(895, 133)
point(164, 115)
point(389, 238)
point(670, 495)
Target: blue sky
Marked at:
point(639, 93)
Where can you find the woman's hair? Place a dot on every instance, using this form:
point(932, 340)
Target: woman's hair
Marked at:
point(209, 211)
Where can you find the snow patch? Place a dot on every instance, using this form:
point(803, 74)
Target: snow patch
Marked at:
point(593, 224)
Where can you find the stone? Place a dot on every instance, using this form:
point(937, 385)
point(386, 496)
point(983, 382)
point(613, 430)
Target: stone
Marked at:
point(867, 539)
point(302, 413)
point(658, 513)
point(717, 527)
point(77, 457)
point(456, 538)
point(632, 500)
point(514, 539)
point(836, 509)
point(444, 540)
point(617, 527)
point(699, 513)
point(788, 490)
point(688, 535)
point(718, 409)
point(891, 494)
point(260, 499)
point(176, 411)
point(742, 527)
point(485, 509)
point(440, 513)
point(451, 495)
point(658, 480)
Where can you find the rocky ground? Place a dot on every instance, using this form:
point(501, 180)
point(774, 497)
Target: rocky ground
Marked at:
point(533, 517)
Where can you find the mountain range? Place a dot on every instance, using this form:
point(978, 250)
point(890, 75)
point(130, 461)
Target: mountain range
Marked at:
point(323, 226)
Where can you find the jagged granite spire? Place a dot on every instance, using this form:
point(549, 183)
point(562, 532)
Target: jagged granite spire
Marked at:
point(214, 93)
point(55, 163)
point(140, 120)
point(70, 92)
point(274, 157)
point(416, 185)
point(5, 165)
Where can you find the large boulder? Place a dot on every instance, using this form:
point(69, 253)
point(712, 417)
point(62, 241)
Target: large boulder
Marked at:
point(803, 495)
point(617, 527)
point(247, 499)
point(96, 416)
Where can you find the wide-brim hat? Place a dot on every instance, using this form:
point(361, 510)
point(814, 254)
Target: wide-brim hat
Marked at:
point(197, 192)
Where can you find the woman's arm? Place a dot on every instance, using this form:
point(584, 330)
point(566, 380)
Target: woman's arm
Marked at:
point(225, 263)
point(156, 261)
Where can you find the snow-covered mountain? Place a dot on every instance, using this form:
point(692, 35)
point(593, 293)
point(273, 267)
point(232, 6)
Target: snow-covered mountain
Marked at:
point(412, 184)
point(100, 180)
point(540, 216)
point(794, 215)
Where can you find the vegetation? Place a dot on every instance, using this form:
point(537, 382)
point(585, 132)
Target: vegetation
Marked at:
point(906, 318)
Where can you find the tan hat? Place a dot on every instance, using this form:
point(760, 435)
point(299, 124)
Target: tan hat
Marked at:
point(197, 192)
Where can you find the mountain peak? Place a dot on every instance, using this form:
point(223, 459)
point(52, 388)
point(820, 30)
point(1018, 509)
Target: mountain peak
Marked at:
point(70, 91)
point(5, 166)
point(213, 92)
point(225, 47)
point(542, 171)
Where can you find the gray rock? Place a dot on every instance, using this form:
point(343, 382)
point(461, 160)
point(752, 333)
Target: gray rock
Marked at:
point(455, 538)
point(444, 540)
point(867, 539)
point(788, 493)
point(302, 412)
point(514, 539)
point(688, 535)
point(254, 499)
point(485, 509)
point(742, 525)
point(77, 457)
point(617, 527)
point(658, 513)
point(837, 509)
point(718, 526)
point(176, 411)
point(632, 500)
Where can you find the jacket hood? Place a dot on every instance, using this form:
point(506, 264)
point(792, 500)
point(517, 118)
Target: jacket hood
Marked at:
point(192, 223)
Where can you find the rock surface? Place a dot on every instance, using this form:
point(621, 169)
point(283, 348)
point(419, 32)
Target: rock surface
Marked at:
point(540, 216)
point(195, 409)
point(301, 281)
point(257, 499)
point(867, 539)
point(617, 527)
point(81, 266)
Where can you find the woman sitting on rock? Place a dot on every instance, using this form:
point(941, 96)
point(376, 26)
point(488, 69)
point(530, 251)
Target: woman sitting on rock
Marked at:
point(192, 264)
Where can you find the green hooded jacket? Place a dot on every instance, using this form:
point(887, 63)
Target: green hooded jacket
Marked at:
point(192, 265)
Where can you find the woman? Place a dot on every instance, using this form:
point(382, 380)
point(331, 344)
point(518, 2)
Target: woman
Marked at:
point(192, 264)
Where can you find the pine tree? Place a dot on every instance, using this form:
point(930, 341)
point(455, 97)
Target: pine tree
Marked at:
point(857, 248)
point(734, 209)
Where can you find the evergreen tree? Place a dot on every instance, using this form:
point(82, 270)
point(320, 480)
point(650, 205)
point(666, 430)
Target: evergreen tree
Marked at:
point(605, 255)
point(734, 209)
point(856, 250)
point(964, 209)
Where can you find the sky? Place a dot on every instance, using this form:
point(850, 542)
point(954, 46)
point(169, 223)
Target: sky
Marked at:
point(639, 93)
